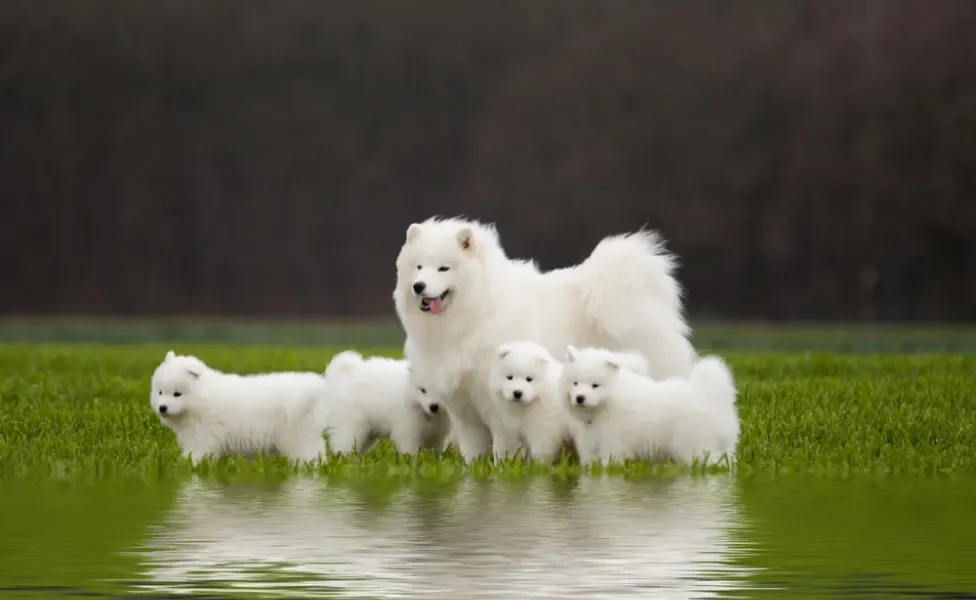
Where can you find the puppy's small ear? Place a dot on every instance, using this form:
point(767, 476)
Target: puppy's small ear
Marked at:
point(614, 365)
point(170, 355)
point(465, 238)
point(571, 353)
point(413, 231)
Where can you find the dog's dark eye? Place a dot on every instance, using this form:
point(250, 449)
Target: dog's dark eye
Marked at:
point(420, 267)
point(596, 385)
point(177, 394)
point(423, 390)
point(160, 392)
point(443, 269)
point(575, 383)
point(529, 379)
point(508, 377)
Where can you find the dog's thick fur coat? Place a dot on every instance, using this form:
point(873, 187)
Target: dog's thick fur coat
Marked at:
point(527, 384)
point(379, 397)
point(587, 441)
point(215, 413)
point(633, 416)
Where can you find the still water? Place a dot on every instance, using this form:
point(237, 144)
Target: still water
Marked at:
point(589, 538)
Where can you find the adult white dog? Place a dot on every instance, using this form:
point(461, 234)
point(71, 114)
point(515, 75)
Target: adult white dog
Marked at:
point(215, 413)
point(459, 297)
point(637, 417)
point(380, 397)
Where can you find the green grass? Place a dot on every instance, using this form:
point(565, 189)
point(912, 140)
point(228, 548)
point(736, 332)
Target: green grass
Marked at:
point(83, 411)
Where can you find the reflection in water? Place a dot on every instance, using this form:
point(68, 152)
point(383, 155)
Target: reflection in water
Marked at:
point(543, 538)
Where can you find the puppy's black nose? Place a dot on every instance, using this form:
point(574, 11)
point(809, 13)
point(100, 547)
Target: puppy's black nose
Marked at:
point(435, 407)
point(162, 409)
point(517, 394)
point(580, 399)
point(418, 287)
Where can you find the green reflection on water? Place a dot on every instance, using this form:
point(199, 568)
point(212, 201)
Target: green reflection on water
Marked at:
point(57, 537)
point(900, 537)
point(539, 537)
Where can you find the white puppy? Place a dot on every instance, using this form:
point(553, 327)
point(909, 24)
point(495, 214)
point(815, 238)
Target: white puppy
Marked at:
point(216, 413)
point(637, 417)
point(377, 398)
point(459, 297)
point(526, 381)
point(587, 440)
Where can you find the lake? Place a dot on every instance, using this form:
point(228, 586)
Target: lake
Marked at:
point(607, 538)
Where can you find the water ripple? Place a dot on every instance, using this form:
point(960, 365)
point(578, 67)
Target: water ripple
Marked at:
point(593, 538)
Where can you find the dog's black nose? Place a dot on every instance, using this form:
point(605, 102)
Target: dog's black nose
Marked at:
point(435, 407)
point(580, 399)
point(517, 394)
point(418, 287)
point(162, 409)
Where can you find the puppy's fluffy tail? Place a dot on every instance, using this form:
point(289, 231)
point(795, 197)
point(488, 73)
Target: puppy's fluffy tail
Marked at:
point(713, 380)
point(343, 364)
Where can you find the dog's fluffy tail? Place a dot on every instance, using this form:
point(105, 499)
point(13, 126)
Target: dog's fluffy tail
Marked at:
point(629, 289)
point(713, 379)
point(344, 363)
point(636, 262)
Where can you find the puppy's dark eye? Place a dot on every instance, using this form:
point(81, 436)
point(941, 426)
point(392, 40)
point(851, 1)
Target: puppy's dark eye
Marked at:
point(419, 267)
point(508, 377)
point(160, 392)
point(575, 383)
point(529, 379)
point(423, 390)
point(443, 269)
point(596, 385)
point(177, 394)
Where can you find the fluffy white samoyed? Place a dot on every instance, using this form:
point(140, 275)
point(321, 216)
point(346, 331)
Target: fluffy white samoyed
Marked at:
point(633, 416)
point(526, 381)
point(215, 413)
point(459, 297)
point(587, 439)
point(379, 397)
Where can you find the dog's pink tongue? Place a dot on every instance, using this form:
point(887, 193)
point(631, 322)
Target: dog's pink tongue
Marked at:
point(436, 306)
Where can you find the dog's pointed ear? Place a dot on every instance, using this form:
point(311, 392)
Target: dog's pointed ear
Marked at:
point(613, 364)
point(503, 352)
point(170, 355)
point(571, 353)
point(413, 231)
point(465, 238)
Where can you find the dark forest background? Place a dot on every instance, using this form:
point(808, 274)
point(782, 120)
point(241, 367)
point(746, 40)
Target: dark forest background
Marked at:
point(805, 159)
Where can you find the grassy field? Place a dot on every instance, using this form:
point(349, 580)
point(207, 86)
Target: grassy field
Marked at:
point(83, 411)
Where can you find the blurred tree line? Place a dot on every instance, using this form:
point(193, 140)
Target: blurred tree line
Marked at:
point(806, 159)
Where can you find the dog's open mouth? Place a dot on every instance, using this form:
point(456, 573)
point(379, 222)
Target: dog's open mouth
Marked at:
point(434, 306)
